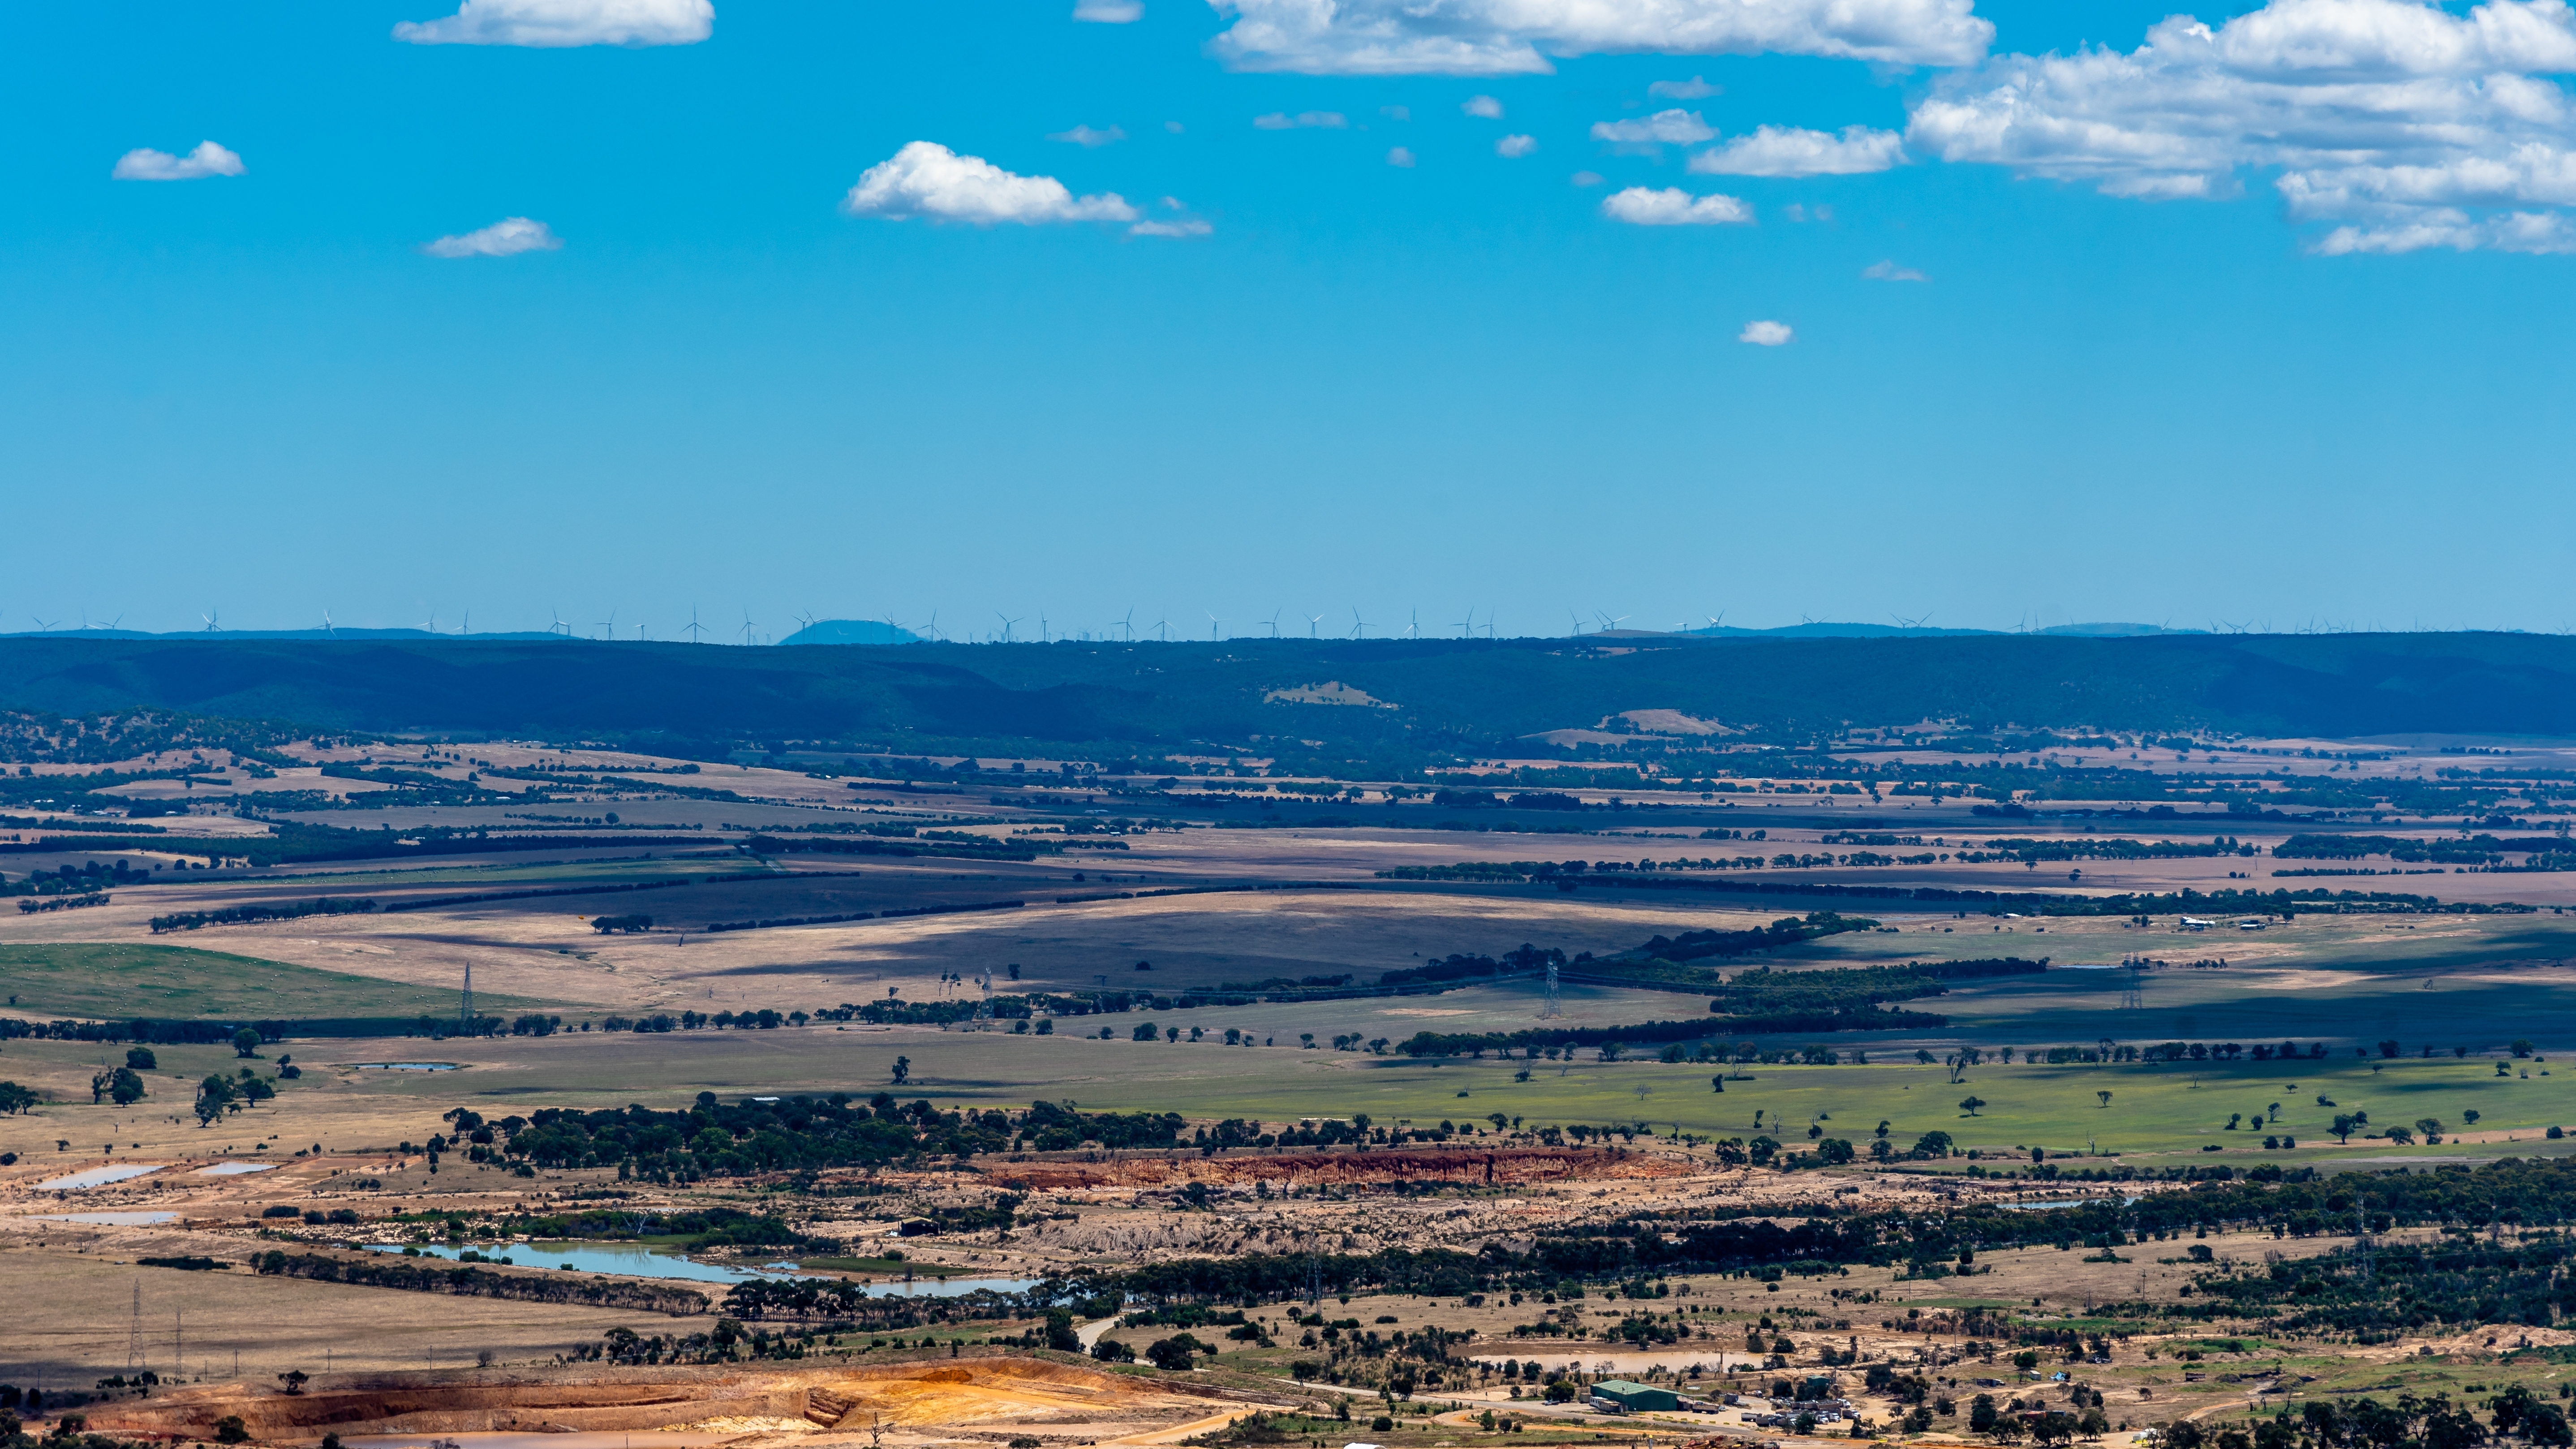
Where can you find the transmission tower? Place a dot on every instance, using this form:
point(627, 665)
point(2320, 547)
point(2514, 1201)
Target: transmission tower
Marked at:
point(465, 1008)
point(984, 1008)
point(1548, 1010)
point(2133, 996)
point(134, 1333)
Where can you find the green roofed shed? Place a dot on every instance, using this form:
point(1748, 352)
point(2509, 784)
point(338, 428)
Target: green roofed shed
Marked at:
point(1628, 1398)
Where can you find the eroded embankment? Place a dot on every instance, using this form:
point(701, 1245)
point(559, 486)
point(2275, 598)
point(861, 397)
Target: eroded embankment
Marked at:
point(1013, 1389)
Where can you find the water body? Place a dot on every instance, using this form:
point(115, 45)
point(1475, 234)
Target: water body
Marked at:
point(234, 1169)
point(111, 1220)
point(100, 1176)
point(633, 1260)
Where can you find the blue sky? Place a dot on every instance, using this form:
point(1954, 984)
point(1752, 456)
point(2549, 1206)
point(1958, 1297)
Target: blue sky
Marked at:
point(2265, 322)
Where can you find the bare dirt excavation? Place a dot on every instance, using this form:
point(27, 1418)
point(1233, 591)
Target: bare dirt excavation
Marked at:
point(991, 1398)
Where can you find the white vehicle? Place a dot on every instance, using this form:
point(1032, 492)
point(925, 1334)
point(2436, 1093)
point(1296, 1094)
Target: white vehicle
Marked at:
point(2195, 923)
point(2249, 924)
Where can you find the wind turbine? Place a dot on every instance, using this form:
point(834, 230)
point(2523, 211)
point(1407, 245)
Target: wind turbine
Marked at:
point(467, 627)
point(1274, 620)
point(558, 626)
point(694, 628)
point(42, 626)
point(1213, 622)
point(1359, 626)
point(1163, 630)
point(213, 617)
point(1578, 622)
point(747, 626)
point(1715, 620)
point(1313, 621)
point(1007, 622)
point(1467, 626)
point(1042, 637)
point(326, 625)
point(1414, 630)
point(1129, 624)
point(1608, 623)
point(608, 626)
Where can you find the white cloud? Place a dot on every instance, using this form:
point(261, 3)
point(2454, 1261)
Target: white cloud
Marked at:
point(1485, 106)
point(1694, 89)
point(1889, 271)
point(929, 180)
point(1303, 120)
point(1788, 151)
point(1086, 137)
point(1515, 147)
point(1174, 127)
point(1399, 156)
point(566, 22)
point(1516, 37)
point(507, 237)
point(1586, 178)
point(2402, 124)
point(1109, 12)
point(145, 164)
point(1396, 113)
point(1191, 227)
point(1663, 128)
point(1766, 334)
point(1798, 211)
point(1673, 206)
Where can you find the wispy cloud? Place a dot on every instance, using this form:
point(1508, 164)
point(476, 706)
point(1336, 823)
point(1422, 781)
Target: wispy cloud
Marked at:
point(1518, 37)
point(926, 179)
point(1515, 147)
point(1693, 89)
point(1788, 151)
point(1663, 128)
point(1186, 228)
point(1400, 156)
point(504, 238)
point(1109, 12)
point(1889, 271)
point(145, 164)
point(1587, 178)
point(1673, 206)
point(1766, 334)
point(1087, 137)
point(1303, 120)
point(1485, 106)
point(555, 23)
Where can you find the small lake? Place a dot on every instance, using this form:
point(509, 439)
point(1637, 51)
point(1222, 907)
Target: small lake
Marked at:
point(233, 1169)
point(100, 1176)
point(636, 1261)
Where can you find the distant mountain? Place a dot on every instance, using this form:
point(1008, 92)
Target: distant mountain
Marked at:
point(852, 631)
point(1422, 697)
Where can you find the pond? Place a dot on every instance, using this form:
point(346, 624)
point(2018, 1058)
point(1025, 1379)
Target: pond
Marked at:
point(100, 1176)
point(234, 1169)
point(634, 1260)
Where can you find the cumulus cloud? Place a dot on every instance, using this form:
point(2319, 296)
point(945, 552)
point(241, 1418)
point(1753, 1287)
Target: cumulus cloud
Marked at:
point(926, 179)
point(145, 164)
point(1673, 206)
point(1485, 106)
point(1109, 12)
point(1693, 89)
point(1765, 334)
point(2400, 125)
point(507, 237)
point(1889, 271)
point(1788, 151)
point(1516, 37)
point(1663, 128)
point(1086, 137)
point(1515, 147)
point(1399, 156)
point(566, 22)
point(1191, 227)
point(1303, 120)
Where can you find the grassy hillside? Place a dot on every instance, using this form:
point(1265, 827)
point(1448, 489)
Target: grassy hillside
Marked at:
point(1446, 694)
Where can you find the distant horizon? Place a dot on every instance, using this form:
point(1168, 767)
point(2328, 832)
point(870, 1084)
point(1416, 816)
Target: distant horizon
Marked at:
point(1811, 629)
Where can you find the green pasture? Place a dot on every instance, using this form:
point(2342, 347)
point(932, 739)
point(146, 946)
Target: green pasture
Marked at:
point(123, 981)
